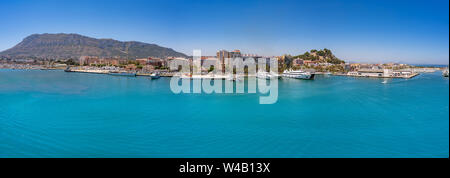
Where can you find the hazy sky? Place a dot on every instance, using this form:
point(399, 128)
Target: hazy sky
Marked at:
point(360, 31)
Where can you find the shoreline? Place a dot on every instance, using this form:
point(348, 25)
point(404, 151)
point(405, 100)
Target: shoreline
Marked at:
point(364, 76)
point(206, 76)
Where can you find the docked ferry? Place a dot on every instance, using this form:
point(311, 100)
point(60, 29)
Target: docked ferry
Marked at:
point(298, 75)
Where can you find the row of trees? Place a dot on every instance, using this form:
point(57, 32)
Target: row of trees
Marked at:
point(71, 62)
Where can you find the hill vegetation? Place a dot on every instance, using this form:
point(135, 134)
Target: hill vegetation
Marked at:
point(324, 55)
point(72, 46)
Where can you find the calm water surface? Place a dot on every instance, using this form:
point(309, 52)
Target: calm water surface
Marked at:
point(58, 114)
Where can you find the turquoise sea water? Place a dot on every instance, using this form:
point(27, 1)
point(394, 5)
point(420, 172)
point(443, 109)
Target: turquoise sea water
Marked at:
point(58, 114)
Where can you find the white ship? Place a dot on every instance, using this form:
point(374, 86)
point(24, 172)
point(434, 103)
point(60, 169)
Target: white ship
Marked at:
point(155, 75)
point(445, 72)
point(298, 74)
point(234, 78)
point(266, 75)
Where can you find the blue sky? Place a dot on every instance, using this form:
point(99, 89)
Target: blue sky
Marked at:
point(358, 31)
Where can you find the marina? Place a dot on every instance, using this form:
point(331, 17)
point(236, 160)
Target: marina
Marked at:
point(266, 75)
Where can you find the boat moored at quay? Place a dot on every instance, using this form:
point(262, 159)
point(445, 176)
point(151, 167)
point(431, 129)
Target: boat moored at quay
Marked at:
point(298, 74)
point(155, 75)
point(445, 72)
point(266, 75)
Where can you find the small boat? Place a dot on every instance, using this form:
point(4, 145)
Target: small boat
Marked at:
point(126, 74)
point(155, 76)
point(234, 78)
point(298, 75)
point(445, 72)
point(230, 78)
point(67, 70)
point(185, 76)
point(266, 75)
point(239, 79)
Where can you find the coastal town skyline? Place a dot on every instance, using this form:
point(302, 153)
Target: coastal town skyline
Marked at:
point(404, 32)
point(225, 87)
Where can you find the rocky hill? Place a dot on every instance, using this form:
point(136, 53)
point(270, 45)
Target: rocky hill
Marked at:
point(65, 46)
point(324, 55)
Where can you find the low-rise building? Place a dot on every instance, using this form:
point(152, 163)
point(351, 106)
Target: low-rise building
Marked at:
point(131, 67)
point(157, 62)
point(310, 63)
point(371, 72)
point(148, 68)
point(297, 62)
point(143, 61)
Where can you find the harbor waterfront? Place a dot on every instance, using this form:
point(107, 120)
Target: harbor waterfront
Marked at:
point(52, 113)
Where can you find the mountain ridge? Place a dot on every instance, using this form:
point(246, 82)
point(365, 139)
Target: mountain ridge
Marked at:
point(72, 45)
